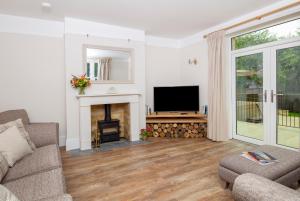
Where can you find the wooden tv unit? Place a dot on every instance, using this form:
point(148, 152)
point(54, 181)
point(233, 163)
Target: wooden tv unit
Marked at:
point(177, 124)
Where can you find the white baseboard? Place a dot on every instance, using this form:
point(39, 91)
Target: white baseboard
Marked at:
point(85, 145)
point(72, 143)
point(135, 138)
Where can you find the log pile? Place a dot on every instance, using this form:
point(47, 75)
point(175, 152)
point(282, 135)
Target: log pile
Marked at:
point(178, 130)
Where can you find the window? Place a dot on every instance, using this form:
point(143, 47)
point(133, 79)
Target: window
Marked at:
point(266, 85)
point(278, 32)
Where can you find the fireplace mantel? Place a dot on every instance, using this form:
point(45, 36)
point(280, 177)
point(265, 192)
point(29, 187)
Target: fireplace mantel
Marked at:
point(85, 103)
point(106, 94)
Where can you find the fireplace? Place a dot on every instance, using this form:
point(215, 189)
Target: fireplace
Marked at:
point(124, 107)
point(109, 129)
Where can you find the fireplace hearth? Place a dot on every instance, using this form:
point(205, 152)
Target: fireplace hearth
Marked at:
point(109, 129)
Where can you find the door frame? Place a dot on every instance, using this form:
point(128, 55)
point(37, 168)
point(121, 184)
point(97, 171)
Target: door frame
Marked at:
point(269, 59)
point(266, 77)
point(273, 106)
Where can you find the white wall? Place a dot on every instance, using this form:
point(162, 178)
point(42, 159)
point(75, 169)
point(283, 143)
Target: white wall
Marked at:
point(32, 77)
point(168, 66)
point(162, 69)
point(196, 74)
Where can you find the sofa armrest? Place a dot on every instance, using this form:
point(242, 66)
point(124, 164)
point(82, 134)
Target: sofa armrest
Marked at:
point(65, 197)
point(42, 134)
point(251, 187)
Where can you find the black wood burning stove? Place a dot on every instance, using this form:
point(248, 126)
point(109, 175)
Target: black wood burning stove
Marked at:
point(109, 129)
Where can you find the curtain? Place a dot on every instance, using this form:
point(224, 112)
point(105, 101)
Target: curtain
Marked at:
point(96, 71)
point(218, 124)
point(105, 64)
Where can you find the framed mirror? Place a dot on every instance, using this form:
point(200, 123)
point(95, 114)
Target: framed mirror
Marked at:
point(108, 65)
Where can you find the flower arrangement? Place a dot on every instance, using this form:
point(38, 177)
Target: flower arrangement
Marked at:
point(146, 132)
point(80, 82)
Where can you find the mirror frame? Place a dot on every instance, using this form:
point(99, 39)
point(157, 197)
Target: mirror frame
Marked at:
point(130, 64)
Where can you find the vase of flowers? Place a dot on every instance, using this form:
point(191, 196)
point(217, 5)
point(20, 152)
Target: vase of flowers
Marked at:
point(145, 133)
point(81, 91)
point(80, 82)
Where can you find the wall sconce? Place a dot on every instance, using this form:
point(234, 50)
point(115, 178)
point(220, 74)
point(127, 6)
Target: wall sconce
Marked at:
point(192, 61)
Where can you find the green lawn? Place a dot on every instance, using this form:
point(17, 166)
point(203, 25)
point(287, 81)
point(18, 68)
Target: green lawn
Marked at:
point(294, 114)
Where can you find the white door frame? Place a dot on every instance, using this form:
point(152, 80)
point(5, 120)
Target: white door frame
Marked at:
point(269, 111)
point(273, 74)
point(266, 59)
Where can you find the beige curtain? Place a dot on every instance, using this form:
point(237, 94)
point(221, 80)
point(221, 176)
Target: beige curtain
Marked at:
point(105, 65)
point(217, 94)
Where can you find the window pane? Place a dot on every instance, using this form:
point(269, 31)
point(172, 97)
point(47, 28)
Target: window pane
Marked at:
point(88, 70)
point(288, 96)
point(249, 90)
point(278, 32)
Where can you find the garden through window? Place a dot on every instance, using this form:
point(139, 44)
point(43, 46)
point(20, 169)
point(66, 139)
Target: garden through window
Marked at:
point(278, 32)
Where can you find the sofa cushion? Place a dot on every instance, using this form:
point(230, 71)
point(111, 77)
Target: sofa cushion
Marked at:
point(43, 134)
point(42, 159)
point(7, 195)
point(251, 187)
point(18, 123)
point(288, 161)
point(3, 167)
point(13, 145)
point(38, 186)
point(12, 115)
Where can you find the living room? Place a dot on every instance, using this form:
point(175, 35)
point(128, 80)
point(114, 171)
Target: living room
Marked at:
point(150, 100)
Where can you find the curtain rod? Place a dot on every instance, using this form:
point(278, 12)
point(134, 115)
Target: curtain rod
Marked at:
point(259, 17)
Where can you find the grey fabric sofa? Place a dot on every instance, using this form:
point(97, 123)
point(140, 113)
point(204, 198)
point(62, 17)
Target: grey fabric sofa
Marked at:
point(251, 187)
point(286, 172)
point(38, 176)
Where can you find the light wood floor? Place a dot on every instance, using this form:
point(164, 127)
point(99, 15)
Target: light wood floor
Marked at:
point(165, 170)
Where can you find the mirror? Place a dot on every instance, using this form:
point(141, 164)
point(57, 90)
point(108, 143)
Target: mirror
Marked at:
point(104, 65)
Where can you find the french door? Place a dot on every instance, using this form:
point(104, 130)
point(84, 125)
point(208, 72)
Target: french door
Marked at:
point(266, 95)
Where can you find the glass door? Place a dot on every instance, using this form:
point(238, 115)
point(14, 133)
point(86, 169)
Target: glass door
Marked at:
point(250, 95)
point(285, 95)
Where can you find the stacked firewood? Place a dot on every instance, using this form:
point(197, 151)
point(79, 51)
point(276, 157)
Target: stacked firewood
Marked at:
point(179, 130)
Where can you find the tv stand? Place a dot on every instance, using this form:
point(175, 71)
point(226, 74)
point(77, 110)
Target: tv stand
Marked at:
point(176, 124)
point(175, 115)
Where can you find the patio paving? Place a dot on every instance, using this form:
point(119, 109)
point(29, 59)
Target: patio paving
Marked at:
point(287, 136)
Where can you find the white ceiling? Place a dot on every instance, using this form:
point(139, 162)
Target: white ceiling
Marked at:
point(165, 18)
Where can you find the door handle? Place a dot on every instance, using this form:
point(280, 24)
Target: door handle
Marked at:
point(266, 95)
point(273, 95)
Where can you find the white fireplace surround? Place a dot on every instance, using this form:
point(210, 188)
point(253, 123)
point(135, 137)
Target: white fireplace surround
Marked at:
point(85, 103)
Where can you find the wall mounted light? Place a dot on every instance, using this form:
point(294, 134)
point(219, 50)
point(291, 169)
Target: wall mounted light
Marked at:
point(46, 6)
point(192, 61)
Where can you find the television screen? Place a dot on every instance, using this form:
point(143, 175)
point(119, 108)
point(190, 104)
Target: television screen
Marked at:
point(177, 98)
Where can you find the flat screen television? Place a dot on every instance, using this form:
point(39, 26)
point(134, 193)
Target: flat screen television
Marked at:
point(176, 99)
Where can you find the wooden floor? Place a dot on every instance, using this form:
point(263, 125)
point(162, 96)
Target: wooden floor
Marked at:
point(166, 169)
